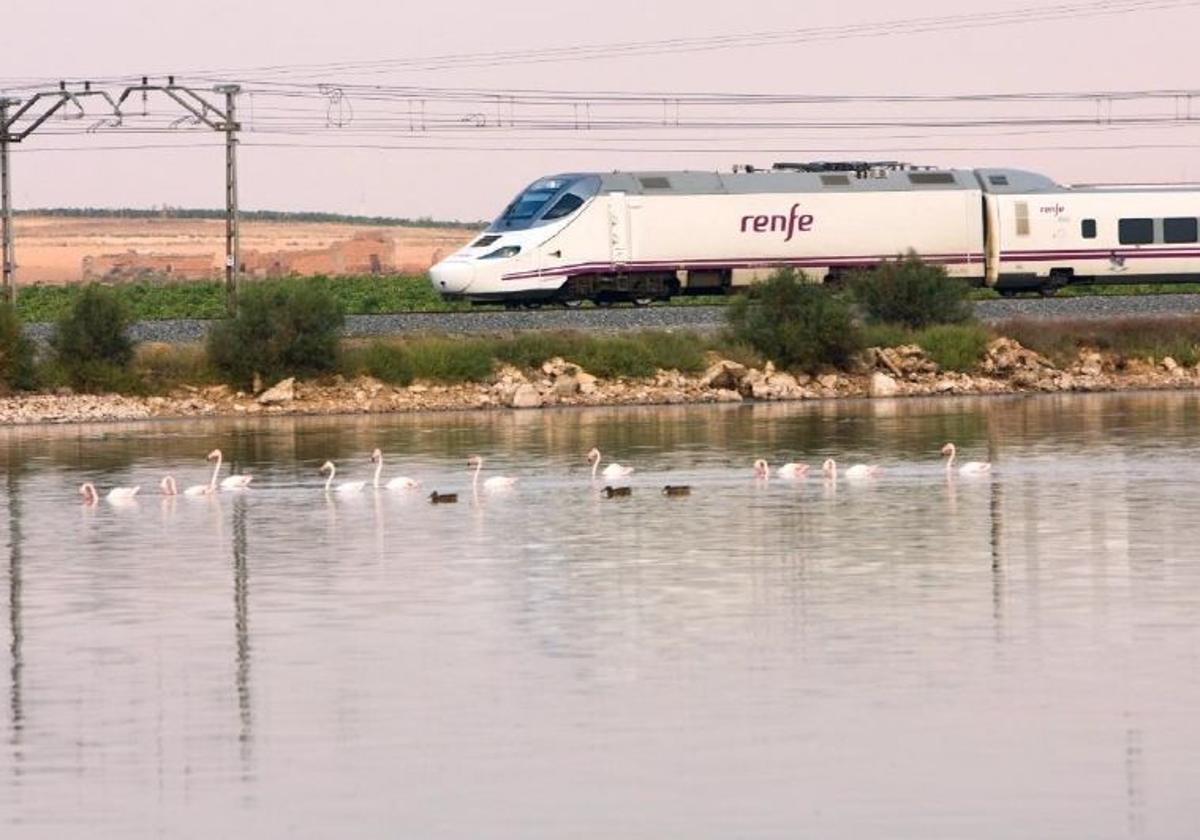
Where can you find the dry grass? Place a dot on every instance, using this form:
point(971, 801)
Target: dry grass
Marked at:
point(1177, 336)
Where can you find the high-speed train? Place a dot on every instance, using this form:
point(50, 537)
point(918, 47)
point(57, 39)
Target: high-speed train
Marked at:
point(645, 236)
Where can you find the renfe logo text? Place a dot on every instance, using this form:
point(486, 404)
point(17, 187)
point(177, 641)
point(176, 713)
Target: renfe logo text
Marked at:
point(789, 224)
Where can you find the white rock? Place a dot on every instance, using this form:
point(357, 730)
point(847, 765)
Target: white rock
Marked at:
point(724, 375)
point(566, 386)
point(526, 396)
point(883, 385)
point(280, 393)
point(586, 382)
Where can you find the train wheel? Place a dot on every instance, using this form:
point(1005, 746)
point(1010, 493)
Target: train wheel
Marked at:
point(574, 303)
point(642, 301)
point(533, 304)
point(1007, 293)
point(604, 303)
point(1048, 291)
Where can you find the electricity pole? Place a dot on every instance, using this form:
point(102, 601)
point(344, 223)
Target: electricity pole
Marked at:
point(6, 234)
point(232, 240)
point(199, 111)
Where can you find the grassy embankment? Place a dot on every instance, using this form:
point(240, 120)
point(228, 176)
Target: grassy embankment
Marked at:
point(450, 360)
point(367, 295)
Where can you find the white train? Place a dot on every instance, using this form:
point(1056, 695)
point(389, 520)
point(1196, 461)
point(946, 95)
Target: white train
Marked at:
point(644, 236)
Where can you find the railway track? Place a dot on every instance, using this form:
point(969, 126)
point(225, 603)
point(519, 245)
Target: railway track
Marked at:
point(615, 319)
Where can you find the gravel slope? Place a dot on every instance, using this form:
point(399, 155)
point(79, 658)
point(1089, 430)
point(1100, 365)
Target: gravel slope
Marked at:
point(658, 317)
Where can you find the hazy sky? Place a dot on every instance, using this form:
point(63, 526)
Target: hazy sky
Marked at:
point(294, 168)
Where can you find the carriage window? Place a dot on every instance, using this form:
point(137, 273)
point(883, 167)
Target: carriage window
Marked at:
point(1088, 228)
point(1179, 230)
point(998, 180)
point(835, 180)
point(1135, 231)
point(565, 206)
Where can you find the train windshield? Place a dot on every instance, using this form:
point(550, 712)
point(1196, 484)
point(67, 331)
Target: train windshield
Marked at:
point(547, 200)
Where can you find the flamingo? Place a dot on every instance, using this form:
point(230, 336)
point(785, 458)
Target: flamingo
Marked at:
point(232, 482)
point(792, 470)
point(969, 468)
point(115, 495)
point(829, 469)
point(495, 482)
point(398, 483)
point(345, 486)
point(762, 469)
point(611, 471)
point(169, 488)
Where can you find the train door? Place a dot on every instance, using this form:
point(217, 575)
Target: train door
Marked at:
point(991, 238)
point(618, 228)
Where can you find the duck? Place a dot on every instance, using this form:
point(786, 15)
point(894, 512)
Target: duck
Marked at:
point(443, 498)
point(611, 471)
point(969, 468)
point(677, 490)
point(617, 492)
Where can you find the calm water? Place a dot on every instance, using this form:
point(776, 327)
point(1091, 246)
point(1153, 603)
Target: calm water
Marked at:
point(1017, 656)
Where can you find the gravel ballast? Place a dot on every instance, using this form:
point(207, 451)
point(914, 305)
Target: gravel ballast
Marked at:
point(616, 319)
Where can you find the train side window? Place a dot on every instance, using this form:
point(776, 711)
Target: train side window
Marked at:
point(565, 206)
point(1135, 231)
point(1180, 230)
point(1088, 228)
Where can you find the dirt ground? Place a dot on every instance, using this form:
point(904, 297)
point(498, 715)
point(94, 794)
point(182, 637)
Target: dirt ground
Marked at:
point(61, 250)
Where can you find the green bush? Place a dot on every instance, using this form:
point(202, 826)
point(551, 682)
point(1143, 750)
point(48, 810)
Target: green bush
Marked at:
point(282, 328)
point(887, 335)
point(613, 356)
point(674, 351)
point(16, 352)
point(795, 323)
point(388, 363)
point(451, 360)
point(911, 292)
point(528, 350)
point(91, 348)
point(954, 346)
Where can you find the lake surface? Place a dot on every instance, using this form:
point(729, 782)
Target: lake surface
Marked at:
point(908, 657)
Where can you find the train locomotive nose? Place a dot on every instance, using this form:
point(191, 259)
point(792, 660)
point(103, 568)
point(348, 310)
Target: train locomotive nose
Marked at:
point(452, 277)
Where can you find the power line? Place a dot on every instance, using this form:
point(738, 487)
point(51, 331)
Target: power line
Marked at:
point(586, 52)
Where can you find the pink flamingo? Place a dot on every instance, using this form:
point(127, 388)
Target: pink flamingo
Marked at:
point(232, 482)
point(495, 482)
point(611, 471)
point(830, 470)
point(115, 495)
point(399, 482)
point(969, 468)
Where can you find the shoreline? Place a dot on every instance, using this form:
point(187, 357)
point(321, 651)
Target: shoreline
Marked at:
point(883, 373)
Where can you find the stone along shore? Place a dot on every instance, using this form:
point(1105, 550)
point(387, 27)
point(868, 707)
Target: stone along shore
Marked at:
point(904, 371)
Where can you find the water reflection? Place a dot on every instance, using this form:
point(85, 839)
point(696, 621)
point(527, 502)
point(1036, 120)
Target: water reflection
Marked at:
point(241, 623)
point(920, 655)
point(16, 634)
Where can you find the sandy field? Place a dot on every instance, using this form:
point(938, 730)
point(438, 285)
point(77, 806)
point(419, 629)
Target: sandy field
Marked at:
point(60, 250)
